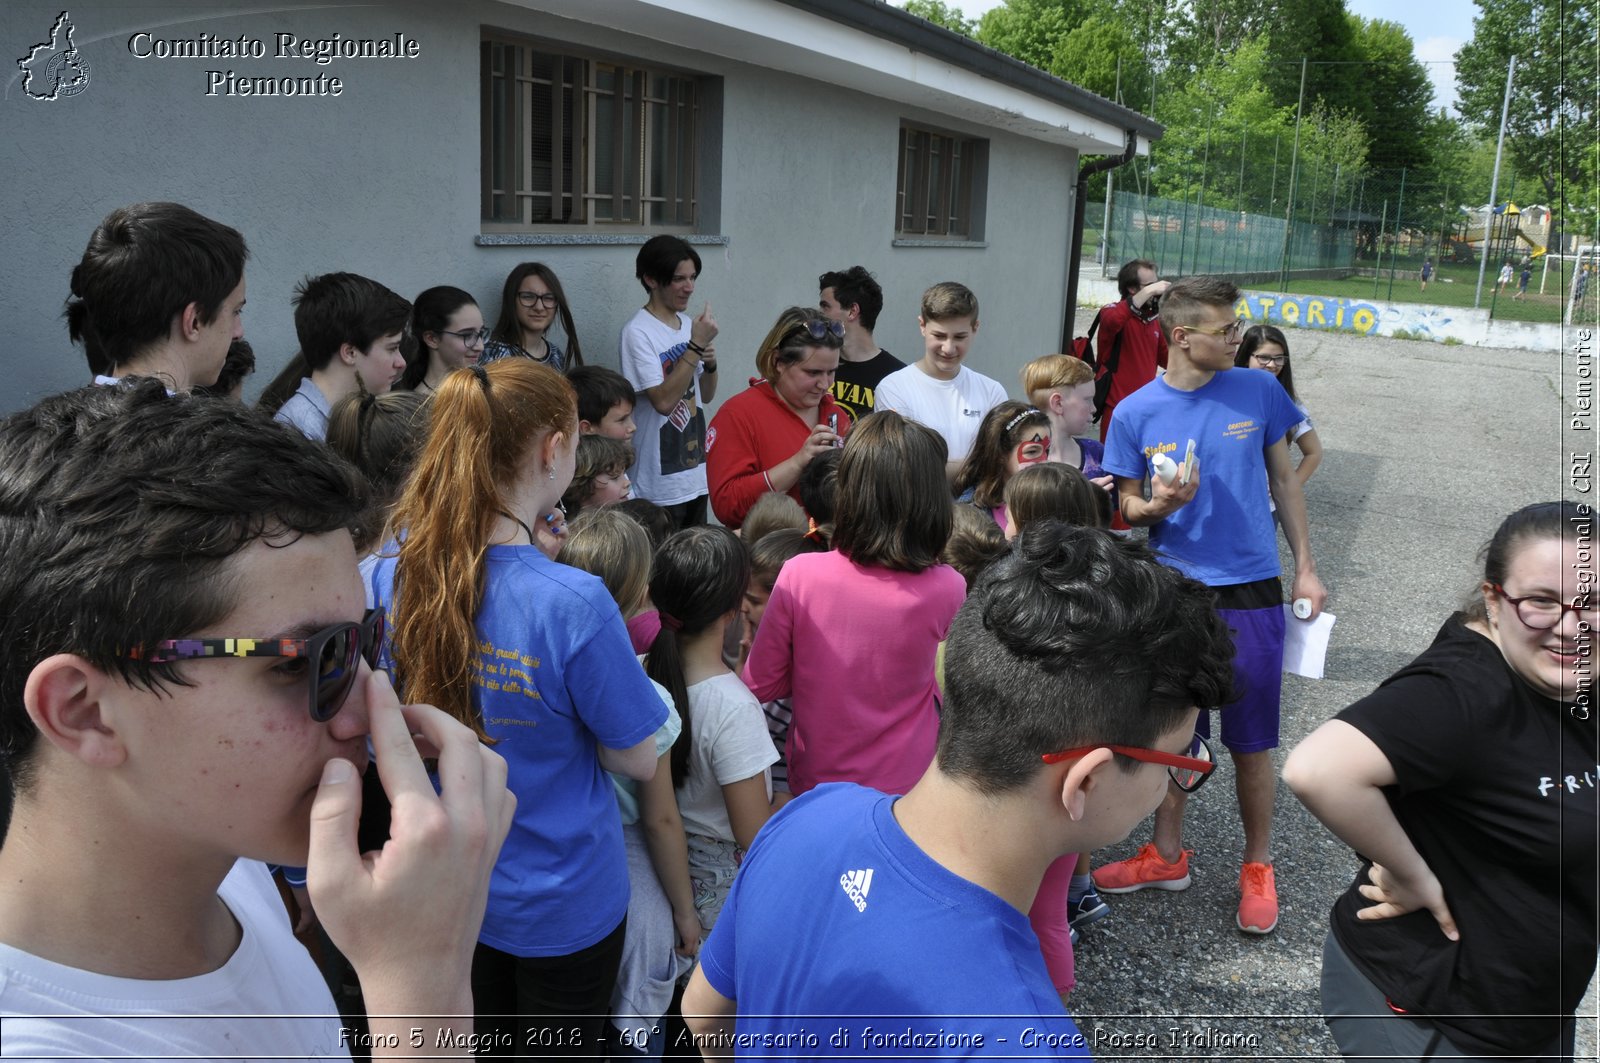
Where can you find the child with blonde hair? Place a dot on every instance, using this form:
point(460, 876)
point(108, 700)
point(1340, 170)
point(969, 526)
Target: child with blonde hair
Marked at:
point(1063, 387)
point(662, 930)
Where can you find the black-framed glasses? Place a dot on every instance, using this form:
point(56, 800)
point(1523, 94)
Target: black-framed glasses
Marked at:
point(544, 299)
point(1187, 773)
point(332, 656)
point(470, 337)
point(1231, 331)
point(1541, 613)
point(1270, 359)
point(819, 328)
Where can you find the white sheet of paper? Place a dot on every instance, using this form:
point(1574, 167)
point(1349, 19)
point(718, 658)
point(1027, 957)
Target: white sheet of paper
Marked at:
point(1305, 643)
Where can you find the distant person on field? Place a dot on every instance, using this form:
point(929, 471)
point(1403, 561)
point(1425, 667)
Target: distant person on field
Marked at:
point(1522, 280)
point(1505, 277)
point(1427, 272)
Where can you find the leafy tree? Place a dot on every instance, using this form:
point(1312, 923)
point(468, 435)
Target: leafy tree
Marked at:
point(1394, 93)
point(1552, 118)
point(1088, 56)
point(1029, 29)
point(942, 14)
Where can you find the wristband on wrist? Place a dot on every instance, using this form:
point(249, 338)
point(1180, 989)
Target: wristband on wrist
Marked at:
point(695, 347)
point(709, 367)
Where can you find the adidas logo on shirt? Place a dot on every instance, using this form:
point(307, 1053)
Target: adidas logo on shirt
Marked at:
point(856, 884)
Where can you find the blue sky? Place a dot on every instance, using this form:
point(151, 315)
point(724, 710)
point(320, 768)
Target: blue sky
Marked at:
point(1437, 27)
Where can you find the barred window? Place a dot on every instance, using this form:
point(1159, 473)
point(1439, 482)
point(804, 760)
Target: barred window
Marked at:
point(940, 185)
point(570, 139)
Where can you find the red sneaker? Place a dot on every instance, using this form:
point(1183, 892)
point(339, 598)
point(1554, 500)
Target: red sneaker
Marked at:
point(1258, 900)
point(1142, 871)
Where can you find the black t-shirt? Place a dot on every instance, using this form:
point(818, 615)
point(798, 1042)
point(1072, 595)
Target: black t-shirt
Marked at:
point(1497, 788)
point(856, 385)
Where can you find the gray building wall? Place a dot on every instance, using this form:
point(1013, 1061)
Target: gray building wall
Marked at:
point(383, 180)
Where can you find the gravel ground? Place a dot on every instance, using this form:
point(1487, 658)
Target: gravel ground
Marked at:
point(1427, 447)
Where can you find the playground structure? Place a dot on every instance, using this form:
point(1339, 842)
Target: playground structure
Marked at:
point(1500, 243)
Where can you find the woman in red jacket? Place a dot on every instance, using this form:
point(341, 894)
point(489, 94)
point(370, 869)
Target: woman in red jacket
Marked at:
point(762, 438)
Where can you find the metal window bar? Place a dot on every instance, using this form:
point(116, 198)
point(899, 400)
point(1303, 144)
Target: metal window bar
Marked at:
point(563, 135)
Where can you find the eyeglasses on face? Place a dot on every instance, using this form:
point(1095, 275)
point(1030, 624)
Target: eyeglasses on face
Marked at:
point(1541, 613)
point(1270, 359)
point(819, 328)
point(469, 337)
point(1230, 331)
point(544, 299)
point(330, 658)
point(1187, 773)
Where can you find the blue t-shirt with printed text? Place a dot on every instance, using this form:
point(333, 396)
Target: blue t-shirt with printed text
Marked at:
point(841, 937)
point(555, 677)
point(1225, 534)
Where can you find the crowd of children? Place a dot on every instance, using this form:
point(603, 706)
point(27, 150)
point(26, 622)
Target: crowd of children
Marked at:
point(821, 764)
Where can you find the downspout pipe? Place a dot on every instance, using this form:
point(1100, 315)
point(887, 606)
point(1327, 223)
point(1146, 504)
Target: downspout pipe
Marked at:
point(1086, 171)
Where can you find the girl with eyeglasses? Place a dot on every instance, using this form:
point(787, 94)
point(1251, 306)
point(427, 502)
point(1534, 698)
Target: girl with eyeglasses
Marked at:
point(1265, 347)
point(535, 657)
point(530, 302)
point(1466, 784)
point(763, 437)
point(446, 333)
point(1012, 437)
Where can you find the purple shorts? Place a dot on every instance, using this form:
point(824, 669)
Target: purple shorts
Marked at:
point(1250, 725)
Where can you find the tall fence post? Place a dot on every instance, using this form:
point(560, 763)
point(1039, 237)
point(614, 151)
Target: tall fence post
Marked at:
point(1494, 185)
point(1294, 166)
point(1377, 266)
point(1399, 214)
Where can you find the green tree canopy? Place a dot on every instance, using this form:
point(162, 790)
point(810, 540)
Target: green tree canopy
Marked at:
point(942, 14)
point(1552, 118)
point(1394, 93)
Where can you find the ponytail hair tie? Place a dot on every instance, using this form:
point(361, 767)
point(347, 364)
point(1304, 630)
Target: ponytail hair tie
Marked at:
point(668, 620)
point(482, 374)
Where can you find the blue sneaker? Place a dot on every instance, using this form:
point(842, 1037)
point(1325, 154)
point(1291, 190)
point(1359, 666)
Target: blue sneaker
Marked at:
point(1086, 910)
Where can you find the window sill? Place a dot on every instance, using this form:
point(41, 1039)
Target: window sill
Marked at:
point(913, 242)
point(588, 239)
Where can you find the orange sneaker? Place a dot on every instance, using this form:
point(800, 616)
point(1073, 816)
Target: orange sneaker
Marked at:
point(1144, 870)
point(1258, 900)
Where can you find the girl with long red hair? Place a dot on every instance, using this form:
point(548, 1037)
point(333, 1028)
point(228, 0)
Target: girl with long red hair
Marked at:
point(534, 656)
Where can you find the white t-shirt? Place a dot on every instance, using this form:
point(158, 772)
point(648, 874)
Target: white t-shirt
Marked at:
point(953, 408)
point(670, 450)
point(268, 1001)
point(730, 743)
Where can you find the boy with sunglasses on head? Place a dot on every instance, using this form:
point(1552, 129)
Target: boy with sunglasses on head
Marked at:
point(1212, 519)
point(349, 330)
point(186, 691)
point(1052, 740)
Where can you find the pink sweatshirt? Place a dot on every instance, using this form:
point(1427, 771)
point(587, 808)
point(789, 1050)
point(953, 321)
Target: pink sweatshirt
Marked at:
point(853, 648)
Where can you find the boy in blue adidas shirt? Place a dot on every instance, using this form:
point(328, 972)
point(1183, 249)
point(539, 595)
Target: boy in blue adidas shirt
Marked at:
point(1217, 528)
point(863, 924)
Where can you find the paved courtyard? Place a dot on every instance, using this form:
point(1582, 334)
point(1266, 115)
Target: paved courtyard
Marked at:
point(1427, 447)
